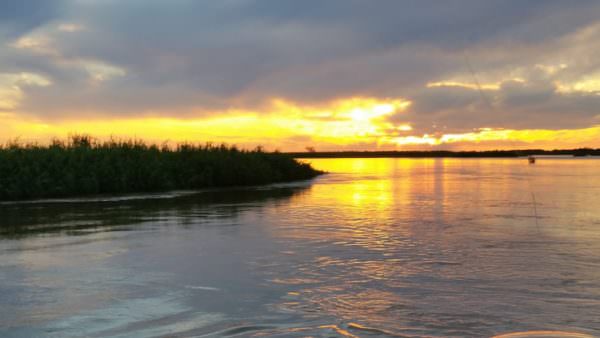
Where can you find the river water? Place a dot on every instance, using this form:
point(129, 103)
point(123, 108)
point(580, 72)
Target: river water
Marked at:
point(375, 248)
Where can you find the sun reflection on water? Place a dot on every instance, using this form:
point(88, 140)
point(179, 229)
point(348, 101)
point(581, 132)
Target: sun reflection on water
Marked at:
point(417, 239)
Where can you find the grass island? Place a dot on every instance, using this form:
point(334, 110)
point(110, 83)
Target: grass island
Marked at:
point(84, 166)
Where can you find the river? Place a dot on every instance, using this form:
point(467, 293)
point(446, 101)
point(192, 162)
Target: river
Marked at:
point(374, 248)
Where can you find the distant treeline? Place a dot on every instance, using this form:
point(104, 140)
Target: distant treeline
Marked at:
point(445, 153)
point(84, 166)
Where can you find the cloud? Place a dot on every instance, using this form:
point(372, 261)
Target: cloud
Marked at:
point(534, 60)
point(20, 16)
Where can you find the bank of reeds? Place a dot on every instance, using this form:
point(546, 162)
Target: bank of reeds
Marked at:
point(83, 166)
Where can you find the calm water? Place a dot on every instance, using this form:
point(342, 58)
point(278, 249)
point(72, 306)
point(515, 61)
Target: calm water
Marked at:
point(378, 247)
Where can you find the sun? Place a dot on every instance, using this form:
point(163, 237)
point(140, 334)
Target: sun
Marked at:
point(372, 112)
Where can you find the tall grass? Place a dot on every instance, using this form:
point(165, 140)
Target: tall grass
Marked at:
point(84, 166)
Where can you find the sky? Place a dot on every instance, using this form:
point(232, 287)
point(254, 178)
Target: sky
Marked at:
point(287, 74)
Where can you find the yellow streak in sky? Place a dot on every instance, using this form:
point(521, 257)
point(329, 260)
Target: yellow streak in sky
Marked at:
point(340, 122)
point(587, 137)
point(587, 85)
point(489, 86)
point(346, 123)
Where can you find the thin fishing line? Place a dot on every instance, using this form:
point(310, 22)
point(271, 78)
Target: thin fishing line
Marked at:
point(477, 84)
point(535, 212)
point(487, 101)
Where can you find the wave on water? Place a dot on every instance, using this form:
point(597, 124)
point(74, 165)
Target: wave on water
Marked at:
point(97, 199)
point(156, 196)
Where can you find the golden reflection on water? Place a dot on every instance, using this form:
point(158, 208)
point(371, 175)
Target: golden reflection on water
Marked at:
point(366, 200)
point(384, 191)
point(382, 225)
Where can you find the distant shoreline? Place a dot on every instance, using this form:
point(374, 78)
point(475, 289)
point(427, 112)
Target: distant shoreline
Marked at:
point(581, 152)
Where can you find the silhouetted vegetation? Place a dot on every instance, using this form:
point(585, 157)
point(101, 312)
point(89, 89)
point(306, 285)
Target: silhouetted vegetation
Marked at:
point(445, 153)
point(84, 166)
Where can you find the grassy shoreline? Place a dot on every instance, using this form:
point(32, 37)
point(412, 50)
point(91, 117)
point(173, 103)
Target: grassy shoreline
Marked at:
point(83, 166)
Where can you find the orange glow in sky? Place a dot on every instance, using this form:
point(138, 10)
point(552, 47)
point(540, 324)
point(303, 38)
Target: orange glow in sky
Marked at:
point(353, 123)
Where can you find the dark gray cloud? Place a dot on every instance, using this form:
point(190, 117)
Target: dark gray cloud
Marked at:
point(184, 56)
point(515, 105)
point(20, 16)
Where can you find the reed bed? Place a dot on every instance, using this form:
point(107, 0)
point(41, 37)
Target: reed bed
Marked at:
point(82, 166)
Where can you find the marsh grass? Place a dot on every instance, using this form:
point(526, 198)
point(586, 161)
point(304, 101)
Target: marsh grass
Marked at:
point(82, 166)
